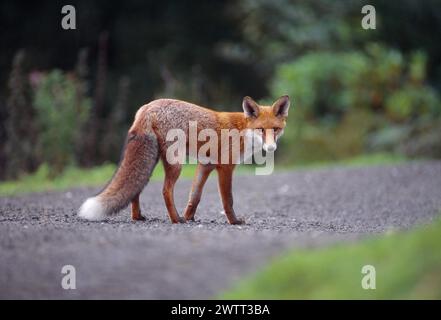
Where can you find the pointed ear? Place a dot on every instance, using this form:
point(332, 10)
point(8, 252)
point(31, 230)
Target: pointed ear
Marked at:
point(250, 107)
point(281, 106)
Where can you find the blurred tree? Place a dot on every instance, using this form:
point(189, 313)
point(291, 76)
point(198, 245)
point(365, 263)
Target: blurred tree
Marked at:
point(278, 31)
point(233, 43)
point(60, 116)
point(413, 25)
point(281, 30)
point(352, 101)
point(82, 93)
point(93, 128)
point(2, 139)
point(215, 52)
point(20, 128)
point(115, 130)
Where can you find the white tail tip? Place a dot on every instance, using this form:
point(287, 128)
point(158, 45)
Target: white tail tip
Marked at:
point(92, 209)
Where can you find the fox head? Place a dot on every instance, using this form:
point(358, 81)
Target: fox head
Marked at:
point(267, 122)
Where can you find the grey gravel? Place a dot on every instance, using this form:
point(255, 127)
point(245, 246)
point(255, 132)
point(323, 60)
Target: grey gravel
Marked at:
point(118, 258)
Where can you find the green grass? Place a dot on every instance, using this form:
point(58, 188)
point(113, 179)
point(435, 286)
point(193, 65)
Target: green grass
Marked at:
point(408, 266)
point(73, 177)
point(374, 159)
point(77, 177)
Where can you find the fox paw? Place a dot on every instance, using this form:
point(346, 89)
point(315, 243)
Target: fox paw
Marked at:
point(180, 220)
point(237, 222)
point(138, 218)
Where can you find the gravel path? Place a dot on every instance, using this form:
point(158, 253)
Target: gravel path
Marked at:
point(40, 233)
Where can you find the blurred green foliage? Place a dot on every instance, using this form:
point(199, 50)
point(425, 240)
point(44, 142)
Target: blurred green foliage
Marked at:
point(18, 134)
point(353, 90)
point(328, 84)
point(345, 102)
point(61, 114)
point(407, 267)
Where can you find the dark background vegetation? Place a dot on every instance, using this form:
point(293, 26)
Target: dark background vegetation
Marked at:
point(68, 96)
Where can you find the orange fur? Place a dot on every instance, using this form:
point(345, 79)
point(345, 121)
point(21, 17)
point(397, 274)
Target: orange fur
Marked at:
point(146, 143)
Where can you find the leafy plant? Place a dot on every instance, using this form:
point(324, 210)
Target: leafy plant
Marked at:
point(61, 111)
point(347, 97)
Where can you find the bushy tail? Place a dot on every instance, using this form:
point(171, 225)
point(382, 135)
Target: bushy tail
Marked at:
point(139, 159)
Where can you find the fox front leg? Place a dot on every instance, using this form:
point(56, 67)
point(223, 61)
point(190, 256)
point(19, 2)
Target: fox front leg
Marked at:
point(225, 177)
point(172, 173)
point(201, 176)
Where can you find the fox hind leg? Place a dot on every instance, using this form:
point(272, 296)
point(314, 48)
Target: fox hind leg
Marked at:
point(136, 209)
point(172, 172)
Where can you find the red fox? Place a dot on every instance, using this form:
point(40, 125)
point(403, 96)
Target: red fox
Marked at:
point(147, 142)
